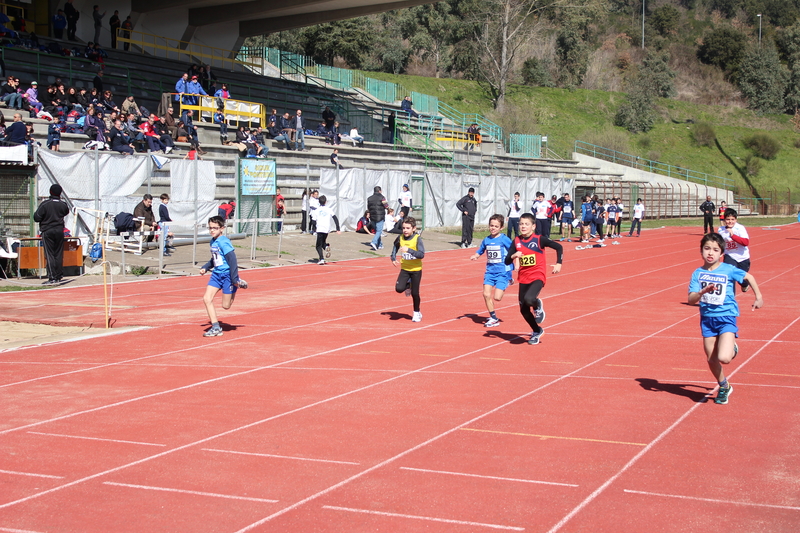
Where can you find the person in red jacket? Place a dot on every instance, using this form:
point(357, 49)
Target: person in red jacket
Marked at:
point(528, 251)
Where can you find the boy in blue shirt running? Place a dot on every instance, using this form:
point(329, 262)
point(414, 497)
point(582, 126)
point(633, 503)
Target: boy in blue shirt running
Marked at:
point(224, 274)
point(712, 287)
point(498, 275)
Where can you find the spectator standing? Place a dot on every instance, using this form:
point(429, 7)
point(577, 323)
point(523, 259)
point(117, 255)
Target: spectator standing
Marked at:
point(163, 222)
point(180, 86)
point(514, 212)
point(405, 201)
point(377, 207)
point(709, 210)
point(98, 22)
point(468, 206)
point(50, 216)
point(299, 124)
point(193, 92)
point(406, 105)
point(223, 93)
point(304, 212)
point(97, 82)
point(115, 24)
point(313, 206)
point(473, 136)
point(127, 26)
point(54, 134)
point(59, 23)
point(329, 117)
point(72, 15)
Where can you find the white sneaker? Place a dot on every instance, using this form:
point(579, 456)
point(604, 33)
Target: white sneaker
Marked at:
point(168, 149)
point(372, 245)
point(321, 262)
point(492, 323)
point(417, 317)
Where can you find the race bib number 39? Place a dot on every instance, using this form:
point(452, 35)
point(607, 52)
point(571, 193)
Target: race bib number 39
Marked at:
point(527, 260)
point(494, 254)
point(720, 283)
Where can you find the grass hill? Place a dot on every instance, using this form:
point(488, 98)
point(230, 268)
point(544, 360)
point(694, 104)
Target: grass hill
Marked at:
point(588, 115)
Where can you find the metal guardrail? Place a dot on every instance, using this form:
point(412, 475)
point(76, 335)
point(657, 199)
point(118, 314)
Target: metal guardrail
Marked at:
point(488, 128)
point(520, 145)
point(655, 167)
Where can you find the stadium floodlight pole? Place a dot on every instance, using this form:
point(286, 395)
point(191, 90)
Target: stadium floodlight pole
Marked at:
point(643, 6)
point(759, 30)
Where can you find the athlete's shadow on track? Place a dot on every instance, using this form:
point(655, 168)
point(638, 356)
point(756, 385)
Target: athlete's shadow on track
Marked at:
point(478, 319)
point(678, 389)
point(394, 315)
point(512, 338)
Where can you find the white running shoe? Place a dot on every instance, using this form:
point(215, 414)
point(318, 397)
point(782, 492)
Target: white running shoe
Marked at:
point(417, 317)
point(492, 323)
point(321, 262)
point(579, 247)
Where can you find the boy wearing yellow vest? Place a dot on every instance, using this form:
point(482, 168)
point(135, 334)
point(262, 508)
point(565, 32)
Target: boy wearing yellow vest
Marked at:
point(412, 251)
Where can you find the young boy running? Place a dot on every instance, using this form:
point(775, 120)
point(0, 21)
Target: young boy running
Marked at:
point(412, 252)
point(712, 287)
point(324, 217)
point(224, 274)
point(498, 275)
point(529, 250)
point(737, 244)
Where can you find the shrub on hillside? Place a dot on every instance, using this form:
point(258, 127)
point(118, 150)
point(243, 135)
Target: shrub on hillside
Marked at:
point(797, 143)
point(608, 137)
point(665, 20)
point(645, 141)
point(704, 134)
point(637, 115)
point(763, 145)
point(762, 79)
point(723, 48)
point(753, 165)
point(536, 73)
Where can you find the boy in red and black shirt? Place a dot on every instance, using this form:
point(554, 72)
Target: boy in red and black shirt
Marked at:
point(528, 249)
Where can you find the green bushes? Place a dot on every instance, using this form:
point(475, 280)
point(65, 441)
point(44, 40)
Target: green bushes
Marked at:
point(763, 145)
point(704, 134)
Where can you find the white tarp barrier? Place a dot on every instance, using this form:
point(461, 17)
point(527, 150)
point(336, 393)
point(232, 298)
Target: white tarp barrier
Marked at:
point(347, 191)
point(14, 154)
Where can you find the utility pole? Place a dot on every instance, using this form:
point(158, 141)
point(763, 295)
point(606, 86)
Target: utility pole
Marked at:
point(643, 4)
point(759, 30)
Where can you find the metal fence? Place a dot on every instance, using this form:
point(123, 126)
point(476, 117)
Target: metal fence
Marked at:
point(17, 203)
point(520, 145)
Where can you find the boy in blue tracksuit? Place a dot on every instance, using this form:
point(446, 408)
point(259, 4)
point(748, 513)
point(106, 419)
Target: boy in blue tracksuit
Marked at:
point(224, 274)
point(587, 218)
point(498, 275)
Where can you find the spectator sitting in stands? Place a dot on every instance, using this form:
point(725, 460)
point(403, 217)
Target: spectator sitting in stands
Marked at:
point(193, 89)
point(286, 126)
point(97, 82)
point(83, 99)
point(335, 159)
point(32, 96)
point(274, 117)
point(130, 106)
point(10, 94)
point(119, 141)
point(336, 137)
point(93, 52)
point(164, 133)
point(253, 148)
point(131, 129)
point(219, 118)
point(278, 135)
point(109, 120)
point(107, 102)
point(152, 137)
point(94, 96)
point(169, 120)
point(356, 138)
point(406, 104)
point(191, 129)
point(259, 134)
point(72, 101)
point(16, 131)
point(322, 131)
point(93, 126)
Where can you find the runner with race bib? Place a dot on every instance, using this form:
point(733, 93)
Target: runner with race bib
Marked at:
point(498, 275)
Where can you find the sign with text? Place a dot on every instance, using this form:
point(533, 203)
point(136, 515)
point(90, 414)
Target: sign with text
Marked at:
point(257, 177)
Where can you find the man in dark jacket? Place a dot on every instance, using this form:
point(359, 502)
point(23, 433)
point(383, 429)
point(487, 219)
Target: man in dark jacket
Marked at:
point(50, 216)
point(329, 117)
point(277, 134)
point(468, 206)
point(72, 19)
point(377, 206)
point(145, 210)
point(709, 210)
point(16, 131)
point(118, 140)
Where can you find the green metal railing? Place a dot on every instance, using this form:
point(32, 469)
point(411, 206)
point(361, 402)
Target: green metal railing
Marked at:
point(419, 141)
point(425, 103)
point(520, 145)
point(488, 128)
point(653, 166)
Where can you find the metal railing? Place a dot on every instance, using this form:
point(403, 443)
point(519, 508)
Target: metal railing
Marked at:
point(655, 167)
point(520, 145)
point(488, 128)
point(420, 142)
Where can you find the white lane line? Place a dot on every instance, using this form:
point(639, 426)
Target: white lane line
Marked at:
point(10, 530)
point(281, 456)
point(95, 438)
point(428, 518)
point(713, 500)
point(30, 474)
point(535, 481)
point(194, 492)
point(589, 499)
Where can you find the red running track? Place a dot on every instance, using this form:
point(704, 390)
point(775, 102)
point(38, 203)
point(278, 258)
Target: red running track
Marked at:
point(323, 408)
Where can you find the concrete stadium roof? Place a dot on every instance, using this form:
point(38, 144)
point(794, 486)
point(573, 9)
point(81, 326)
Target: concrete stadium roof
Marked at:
point(261, 18)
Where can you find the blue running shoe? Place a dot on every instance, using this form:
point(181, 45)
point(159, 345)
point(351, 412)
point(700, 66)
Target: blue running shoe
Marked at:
point(536, 336)
point(722, 395)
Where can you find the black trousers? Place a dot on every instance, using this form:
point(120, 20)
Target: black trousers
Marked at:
point(304, 221)
point(53, 242)
point(543, 226)
point(415, 278)
point(708, 223)
point(467, 224)
point(322, 241)
point(636, 223)
point(528, 294)
point(741, 265)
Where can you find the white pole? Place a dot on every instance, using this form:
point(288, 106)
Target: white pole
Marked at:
point(643, 4)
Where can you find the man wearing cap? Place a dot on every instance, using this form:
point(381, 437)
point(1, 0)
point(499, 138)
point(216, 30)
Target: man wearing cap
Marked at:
point(193, 88)
point(405, 201)
point(377, 206)
point(468, 206)
point(50, 216)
